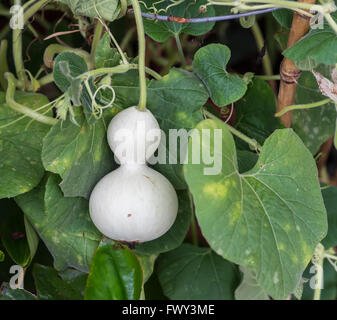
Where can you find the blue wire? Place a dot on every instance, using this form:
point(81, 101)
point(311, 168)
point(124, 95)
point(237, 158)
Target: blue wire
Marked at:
point(208, 19)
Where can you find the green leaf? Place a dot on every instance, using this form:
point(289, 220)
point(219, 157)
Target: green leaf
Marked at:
point(6, 293)
point(319, 45)
point(210, 65)
point(249, 288)
point(330, 201)
point(50, 285)
point(79, 154)
point(175, 101)
point(115, 274)
point(193, 273)
point(275, 211)
point(160, 31)
point(255, 112)
point(20, 147)
point(176, 235)
point(68, 66)
point(32, 237)
point(105, 56)
point(314, 126)
point(2, 256)
point(13, 235)
point(63, 224)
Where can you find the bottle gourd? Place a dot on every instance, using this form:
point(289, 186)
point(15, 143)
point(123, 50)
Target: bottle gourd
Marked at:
point(133, 203)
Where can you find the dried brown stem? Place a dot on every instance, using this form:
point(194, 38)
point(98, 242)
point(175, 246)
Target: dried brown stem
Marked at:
point(288, 71)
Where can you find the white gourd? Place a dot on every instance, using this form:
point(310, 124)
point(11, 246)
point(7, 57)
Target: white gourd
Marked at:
point(133, 203)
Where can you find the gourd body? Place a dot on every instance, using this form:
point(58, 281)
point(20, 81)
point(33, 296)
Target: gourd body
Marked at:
point(133, 203)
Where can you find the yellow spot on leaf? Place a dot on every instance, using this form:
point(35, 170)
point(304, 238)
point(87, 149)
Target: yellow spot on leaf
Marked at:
point(217, 190)
point(287, 228)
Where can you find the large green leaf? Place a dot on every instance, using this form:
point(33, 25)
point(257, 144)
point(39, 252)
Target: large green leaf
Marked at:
point(316, 125)
point(210, 65)
point(330, 201)
point(249, 288)
point(274, 211)
point(20, 147)
point(255, 112)
point(63, 224)
point(175, 101)
point(319, 45)
point(6, 293)
point(161, 30)
point(175, 236)
point(51, 286)
point(115, 274)
point(193, 273)
point(79, 154)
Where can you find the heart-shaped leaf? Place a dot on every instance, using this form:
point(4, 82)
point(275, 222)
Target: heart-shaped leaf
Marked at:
point(270, 218)
point(210, 65)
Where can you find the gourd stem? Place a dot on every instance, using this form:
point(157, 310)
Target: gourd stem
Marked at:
point(21, 108)
point(253, 143)
point(141, 54)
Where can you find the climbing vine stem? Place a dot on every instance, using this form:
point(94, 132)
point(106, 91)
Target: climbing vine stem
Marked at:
point(141, 54)
point(17, 51)
point(21, 108)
